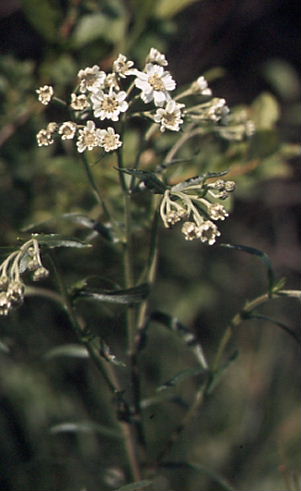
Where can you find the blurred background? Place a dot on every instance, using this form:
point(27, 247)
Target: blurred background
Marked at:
point(249, 430)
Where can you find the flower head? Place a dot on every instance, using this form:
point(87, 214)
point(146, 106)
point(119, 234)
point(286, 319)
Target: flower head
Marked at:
point(109, 140)
point(155, 56)
point(200, 86)
point(217, 211)
point(79, 102)
point(67, 130)
point(154, 83)
point(170, 117)
point(122, 66)
point(208, 232)
point(45, 94)
point(109, 106)
point(91, 79)
point(89, 137)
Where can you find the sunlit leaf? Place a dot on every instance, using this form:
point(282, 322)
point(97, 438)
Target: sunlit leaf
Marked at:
point(56, 240)
point(129, 296)
point(68, 350)
point(265, 111)
point(98, 26)
point(84, 427)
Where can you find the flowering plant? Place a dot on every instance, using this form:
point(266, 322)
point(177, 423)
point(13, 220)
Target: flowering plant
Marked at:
point(101, 110)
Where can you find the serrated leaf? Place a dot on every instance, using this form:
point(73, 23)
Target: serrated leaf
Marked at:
point(262, 255)
point(85, 427)
point(56, 240)
point(182, 375)
point(129, 296)
point(135, 486)
point(68, 350)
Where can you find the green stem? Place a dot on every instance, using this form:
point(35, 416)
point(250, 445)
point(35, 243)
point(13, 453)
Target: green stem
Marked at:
point(106, 370)
point(94, 186)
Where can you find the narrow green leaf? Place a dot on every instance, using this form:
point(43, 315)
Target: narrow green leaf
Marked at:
point(84, 427)
point(129, 296)
point(69, 350)
point(262, 255)
point(218, 374)
point(149, 179)
point(135, 486)
point(199, 468)
point(284, 327)
point(182, 375)
point(4, 348)
point(56, 240)
point(173, 324)
point(106, 352)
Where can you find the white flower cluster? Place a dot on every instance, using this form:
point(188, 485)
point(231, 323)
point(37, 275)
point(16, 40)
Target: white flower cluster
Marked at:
point(101, 96)
point(12, 288)
point(197, 211)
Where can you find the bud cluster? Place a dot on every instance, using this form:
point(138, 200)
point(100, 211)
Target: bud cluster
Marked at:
point(12, 287)
point(193, 204)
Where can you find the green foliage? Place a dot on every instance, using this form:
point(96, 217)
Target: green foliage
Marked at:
point(72, 387)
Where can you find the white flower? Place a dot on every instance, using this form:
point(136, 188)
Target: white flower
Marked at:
point(45, 94)
point(170, 117)
point(89, 137)
point(91, 79)
point(217, 211)
point(154, 84)
point(67, 130)
point(111, 82)
point(155, 56)
point(109, 140)
point(190, 230)
point(109, 106)
point(207, 232)
point(44, 138)
point(200, 86)
point(218, 109)
point(122, 66)
point(79, 102)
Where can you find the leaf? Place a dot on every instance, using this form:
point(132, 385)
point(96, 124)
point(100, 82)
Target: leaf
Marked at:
point(262, 255)
point(284, 327)
point(199, 468)
point(56, 240)
point(69, 350)
point(45, 16)
point(182, 375)
point(189, 338)
point(265, 111)
point(194, 181)
point(4, 348)
point(129, 296)
point(169, 8)
point(107, 354)
point(135, 486)
point(149, 179)
point(85, 427)
point(98, 26)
